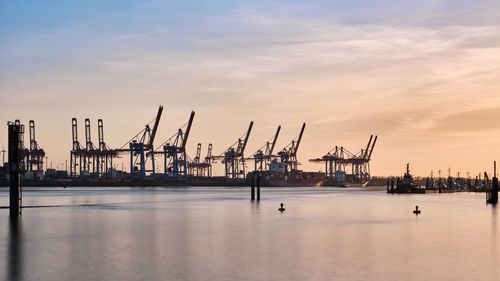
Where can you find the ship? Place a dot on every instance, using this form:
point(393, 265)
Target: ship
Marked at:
point(406, 184)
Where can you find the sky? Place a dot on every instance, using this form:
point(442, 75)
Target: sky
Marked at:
point(422, 75)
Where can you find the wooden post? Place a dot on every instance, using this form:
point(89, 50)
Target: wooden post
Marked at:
point(494, 186)
point(258, 188)
point(494, 192)
point(253, 187)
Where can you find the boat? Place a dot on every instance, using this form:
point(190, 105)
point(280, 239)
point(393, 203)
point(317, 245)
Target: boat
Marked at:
point(406, 184)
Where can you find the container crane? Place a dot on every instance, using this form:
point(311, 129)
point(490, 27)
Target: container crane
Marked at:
point(341, 165)
point(23, 151)
point(105, 153)
point(201, 169)
point(77, 151)
point(193, 165)
point(140, 147)
point(234, 159)
point(90, 155)
point(262, 157)
point(208, 161)
point(36, 153)
point(286, 159)
point(174, 152)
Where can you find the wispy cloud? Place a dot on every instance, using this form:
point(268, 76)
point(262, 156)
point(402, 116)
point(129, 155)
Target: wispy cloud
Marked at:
point(473, 120)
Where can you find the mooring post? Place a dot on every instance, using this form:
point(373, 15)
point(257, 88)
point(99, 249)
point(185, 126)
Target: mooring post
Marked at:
point(15, 179)
point(494, 192)
point(258, 187)
point(494, 186)
point(253, 186)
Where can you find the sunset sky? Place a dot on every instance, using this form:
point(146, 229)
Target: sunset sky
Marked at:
point(422, 75)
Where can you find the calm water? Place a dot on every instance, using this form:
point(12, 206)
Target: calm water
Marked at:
point(218, 234)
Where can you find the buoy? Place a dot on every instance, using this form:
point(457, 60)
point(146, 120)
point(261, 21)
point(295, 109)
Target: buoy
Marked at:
point(417, 211)
point(282, 209)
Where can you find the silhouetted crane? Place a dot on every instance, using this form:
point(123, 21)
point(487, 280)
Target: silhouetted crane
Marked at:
point(234, 158)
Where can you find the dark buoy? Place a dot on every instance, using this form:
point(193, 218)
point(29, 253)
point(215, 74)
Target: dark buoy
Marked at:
point(417, 211)
point(281, 209)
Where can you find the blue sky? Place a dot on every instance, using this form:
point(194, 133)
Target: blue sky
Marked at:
point(413, 72)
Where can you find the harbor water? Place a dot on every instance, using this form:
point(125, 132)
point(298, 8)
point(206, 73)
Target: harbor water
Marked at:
point(217, 233)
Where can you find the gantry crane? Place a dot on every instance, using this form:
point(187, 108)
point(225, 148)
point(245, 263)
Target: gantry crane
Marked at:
point(32, 156)
point(286, 158)
point(36, 154)
point(196, 168)
point(24, 152)
point(234, 158)
point(90, 159)
point(196, 159)
point(140, 147)
point(262, 157)
point(90, 154)
point(341, 165)
point(174, 152)
point(193, 165)
point(77, 152)
point(105, 153)
point(208, 162)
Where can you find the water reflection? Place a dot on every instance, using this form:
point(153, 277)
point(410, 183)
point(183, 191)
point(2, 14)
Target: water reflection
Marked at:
point(494, 246)
point(255, 208)
point(199, 234)
point(14, 254)
point(494, 211)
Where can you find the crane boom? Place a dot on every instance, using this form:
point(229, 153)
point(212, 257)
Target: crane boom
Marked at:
point(373, 146)
point(100, 134)
point(300, 138)
point(33, 143)
point(155, 127)
point(74, 131)
point(246, 138)
point(270, 152)
point(198, 154)
point(365, 153)
point(188, 129)
point(208, 159)
point(88, 137)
